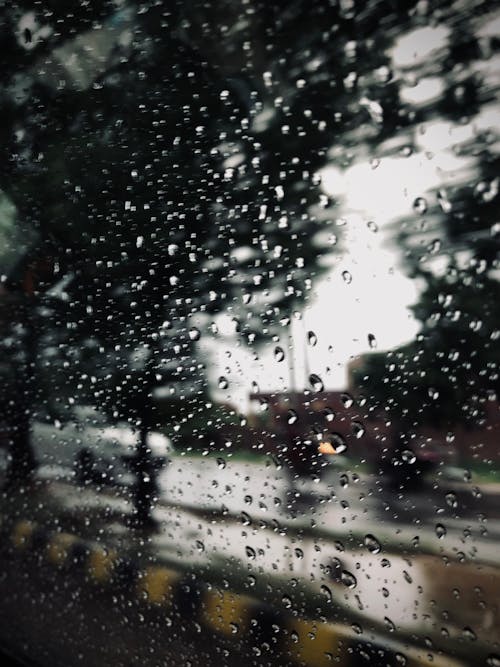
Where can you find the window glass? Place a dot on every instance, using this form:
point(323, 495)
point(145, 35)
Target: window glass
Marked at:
point(249, 333)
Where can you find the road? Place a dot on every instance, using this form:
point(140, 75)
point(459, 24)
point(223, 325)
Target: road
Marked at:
point(412, 565)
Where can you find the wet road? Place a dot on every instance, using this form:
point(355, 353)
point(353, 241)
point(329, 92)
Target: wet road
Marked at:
point(420, 564)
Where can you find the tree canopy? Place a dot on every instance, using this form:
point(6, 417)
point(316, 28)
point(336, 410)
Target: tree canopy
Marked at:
point(174, 174)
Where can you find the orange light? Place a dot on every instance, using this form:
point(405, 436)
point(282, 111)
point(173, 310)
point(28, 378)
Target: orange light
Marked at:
point(326, 448)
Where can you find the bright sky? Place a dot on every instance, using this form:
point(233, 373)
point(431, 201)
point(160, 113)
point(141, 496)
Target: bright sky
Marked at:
point(374, 296)
point(343, 308)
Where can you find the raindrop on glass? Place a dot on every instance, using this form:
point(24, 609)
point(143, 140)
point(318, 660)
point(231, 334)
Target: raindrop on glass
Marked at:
point(348, 579)
point(279, 353)
point(347, 399)
point(316, 382)
point(440, 530)
point(358, 429)
point(347, 277)
point(312, 339)
point(372, 544)
point(250, 552)
point(326, 592)
point(420, 205)
point(408, 456)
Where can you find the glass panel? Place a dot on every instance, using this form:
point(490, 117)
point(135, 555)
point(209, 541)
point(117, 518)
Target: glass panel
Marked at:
point(249, 333)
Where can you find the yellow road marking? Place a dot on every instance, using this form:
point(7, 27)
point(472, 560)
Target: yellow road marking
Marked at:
point(59, 546)
point(101, 562)
point(226, 612)
point(317, 644)
point(157, 584)
point(22, 533)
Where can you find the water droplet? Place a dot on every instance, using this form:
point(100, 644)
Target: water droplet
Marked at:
point(469, 633)
point(172, 249)
point(279, 353)
point(434, 247)
point(493, 660)
point(347, 277)
point(443, 201)
point(329, 414)
point(451, 499)
point(248, 500)
point(200, 546)
point(287, 601)
point(338, 442)
point(316, 382)
point(299, 553)
point(347, 399)
point(326, 592)
point(223, 383)
point(250, 553)
point(420, 205)
point(348, 579)
point(194, 333)
point(221, 463)
point(372, 341)
point(372, 226)
point(389, 624)
point(292, 417)
point(312, 339)
point(246, 520)
point(440, 530)
point(372, 544)
point(358, 429)
point(408, 456)
point(487, 191)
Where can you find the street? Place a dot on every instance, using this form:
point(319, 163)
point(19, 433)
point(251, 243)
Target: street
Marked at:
point(342, 549)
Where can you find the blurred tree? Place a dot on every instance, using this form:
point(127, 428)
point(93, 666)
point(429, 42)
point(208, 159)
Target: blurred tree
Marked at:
point(450, 245)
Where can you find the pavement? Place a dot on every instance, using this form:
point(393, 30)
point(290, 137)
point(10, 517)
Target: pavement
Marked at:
point(317, 564)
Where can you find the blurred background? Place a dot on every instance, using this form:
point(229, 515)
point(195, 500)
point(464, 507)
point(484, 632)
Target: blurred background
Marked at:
point(249, 350)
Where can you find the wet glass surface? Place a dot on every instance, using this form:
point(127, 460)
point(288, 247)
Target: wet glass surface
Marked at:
point(249, 333)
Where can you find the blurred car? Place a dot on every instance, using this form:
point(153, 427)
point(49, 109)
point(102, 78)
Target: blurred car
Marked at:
point(92, 449)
